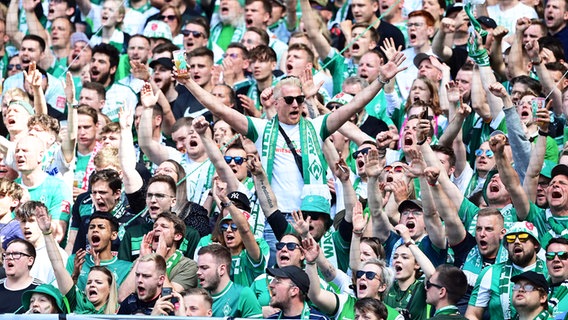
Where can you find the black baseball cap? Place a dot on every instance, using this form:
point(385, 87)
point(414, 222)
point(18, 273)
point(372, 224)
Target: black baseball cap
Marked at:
point(294, 273)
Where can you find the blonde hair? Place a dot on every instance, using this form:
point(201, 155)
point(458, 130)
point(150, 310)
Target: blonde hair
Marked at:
point(288, 81)
point(112, 305)
point(107, 157)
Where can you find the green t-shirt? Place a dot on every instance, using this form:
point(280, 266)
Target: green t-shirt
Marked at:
point(80, 168)
point(119, 269)
point(236, 301)
point(58, 203)
point(79, 304)
point(341, 69)
point(413, 299)
point(59, 68)
point(225, 36)
point(347, 309)
point(244, 270)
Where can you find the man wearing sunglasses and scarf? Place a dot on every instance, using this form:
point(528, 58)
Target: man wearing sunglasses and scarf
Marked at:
point(493, 291)
point(557, 265)
point(290, 145)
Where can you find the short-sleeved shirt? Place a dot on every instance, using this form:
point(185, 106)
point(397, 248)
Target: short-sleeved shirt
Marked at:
point(184, 273)
point(58, 203)
point(437, 256)
point(412, 299)
point(346, 309)
point(133, 305)
point(80, 304)
point(236, 301)
point(12, 299)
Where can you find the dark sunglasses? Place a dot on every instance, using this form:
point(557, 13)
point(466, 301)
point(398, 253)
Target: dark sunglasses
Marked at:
point(291, 246)
point(299, 99)
point(523, 237)
point(169, 17)
point(225, 227)
point(430, 285)
point(397, 169)
point(238, 160)
point(195, 34)
point(370, 275)
point(333, 106)
point(312, 215)
point(363, 151)
point(12, 66)
point(562, 255)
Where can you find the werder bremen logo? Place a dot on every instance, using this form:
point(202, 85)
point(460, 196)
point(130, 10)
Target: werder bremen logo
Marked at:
point(315, 170)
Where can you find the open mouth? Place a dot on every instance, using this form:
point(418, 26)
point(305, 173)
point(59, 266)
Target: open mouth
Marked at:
point(249, 22)
point(92, 292)
point(398, 268)
point(410, 225)
point(412, 36)
point(390, 179)
point(556, 195)
point(193, 143)
point(141, 290)
point(360, 164)
point(284, 257)
point(518, 250)
point(355, 47)
point(95, 240)
point(524, 114)
point(27, 234)
point(408, 141)
point(494, 188)
point(362, 286)
point(289, 67)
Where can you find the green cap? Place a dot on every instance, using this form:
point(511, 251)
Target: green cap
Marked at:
point(23, 104)
point(547, 168)
point(522, 227)
point(315, 203)
point(46, 289)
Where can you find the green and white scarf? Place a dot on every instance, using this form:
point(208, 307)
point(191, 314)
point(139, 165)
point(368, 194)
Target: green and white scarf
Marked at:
point(313, 162)
point(474, 263)
point(216, 32)
point(327, 246)
point(505, 285)
point(173, 261)
point(557, 229)
point(557, 302)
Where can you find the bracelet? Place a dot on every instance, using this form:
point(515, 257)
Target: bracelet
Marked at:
point(381, 81)
point(358, 233)
point(542, 133)
point(421, 142)
point(432, 184)
point(536, 63)
point(47, 233)
point(226, 204)
point(311, 263)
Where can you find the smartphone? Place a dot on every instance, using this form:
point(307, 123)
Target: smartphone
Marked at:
point(424, 114)
point(166, 291)
point(180, 62)
point(538, 103)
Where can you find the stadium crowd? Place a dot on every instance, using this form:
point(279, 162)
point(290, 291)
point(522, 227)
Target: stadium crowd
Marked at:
point(296, 159)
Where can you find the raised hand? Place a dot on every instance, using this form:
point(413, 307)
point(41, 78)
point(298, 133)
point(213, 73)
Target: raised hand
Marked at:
point(249, 105)
point(267, 98)
point(359, 219)
point(497, 143)
point(453, 91)
point(309, 88)
point(448, 25)
point(417, 164)
point(389, 48)
point(392, 67)
point(147, 96)
point(221, 189)
point(78, 262)
point(69, 87)
point(372, 165)
point(254, 165)
point(522, 24)
point(431, 174)
point(403, 232)
point(43, 220)
point(311, 249)
point(423, 129)
point(139, 70)
point(543, 118)
point(125, 118)
point(341, 170)
point(301, 226)
point(200, 125)
point(146, 245)
point(532, 48)
point(500, 32)
point(33, 76)
point(498, 90)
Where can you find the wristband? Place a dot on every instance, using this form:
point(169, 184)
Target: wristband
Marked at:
point(409, 242)
point(359, 233)
point(381, 81)
point(311, 263)
point(421, 142)
point(226, 204)
point(47, 233)
point(542, 133)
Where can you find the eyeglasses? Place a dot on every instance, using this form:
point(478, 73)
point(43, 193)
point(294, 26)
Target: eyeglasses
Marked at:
point(158, 196)
point(414, 212)
point(414, 24)
point(238, 160)
point(526, 288)
point(195, 34)
point(14, 255)
point(363, 151)
point(430, 285)
point(289, 99)
point(370, 275)
point(291, 246)
point(396, 169)
point(225, 227)
point(169, 17)
point(313, 215)
point(523, 237)
point(230, 55)
point(12, 66)
point(562, 255)
point(248, 41)
point(480, 152)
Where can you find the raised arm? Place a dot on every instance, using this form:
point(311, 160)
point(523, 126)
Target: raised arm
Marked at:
point(33, 78)
point(496, 54)
point(326, 301)
point(381, 224)
point(516, 65)
point(12, 18)
point(425, 264)
point(386, 73)
point(316, 37)
point(156, 152)
point(360, 223)
point(530, 184)
point(509, 177)
point(69, 140)
point(64, 280)
point(215, 156)
point(234, 118)
point(264, 192)
point(130, 177)
point(446, 31)
point(455, 125)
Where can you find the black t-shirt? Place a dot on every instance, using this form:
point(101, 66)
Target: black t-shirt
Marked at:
point(133, 305)
point(387, 30)
point(187, 102)
point(12, 300)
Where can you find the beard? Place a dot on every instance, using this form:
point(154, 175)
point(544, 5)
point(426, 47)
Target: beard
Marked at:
point(213, 283)
point(522, 260)
point(232, 19)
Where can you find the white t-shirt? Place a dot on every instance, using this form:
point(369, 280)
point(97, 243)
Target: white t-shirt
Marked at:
point(287, 182)
point(509, 17)
point(196, 172)
point(42, 268)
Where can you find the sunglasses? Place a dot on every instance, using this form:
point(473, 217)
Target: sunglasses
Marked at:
point(562, 255)
point(523, 237)
point(396, 169)
point(312, 215)
point(195, 34)
point(225, 227)
point(480, 152)
point(169, 17)
point(291, 246)
point(430, 285)
point(299, 99)
point(333, 106)
point(526, 288)
point(238, 160)
point(12, 66)
point(230, 55)
point(370, 275)
point(363, 151)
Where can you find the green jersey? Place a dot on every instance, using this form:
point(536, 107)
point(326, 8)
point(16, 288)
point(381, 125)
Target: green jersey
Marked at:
point(244, 270)
point(119, 269)
point(341, 69)
point(79, 304)
point(236, 301)
point(346, 310)
point(548, 225)
point(412, 299)
point(494, 289)
point(58, 203)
